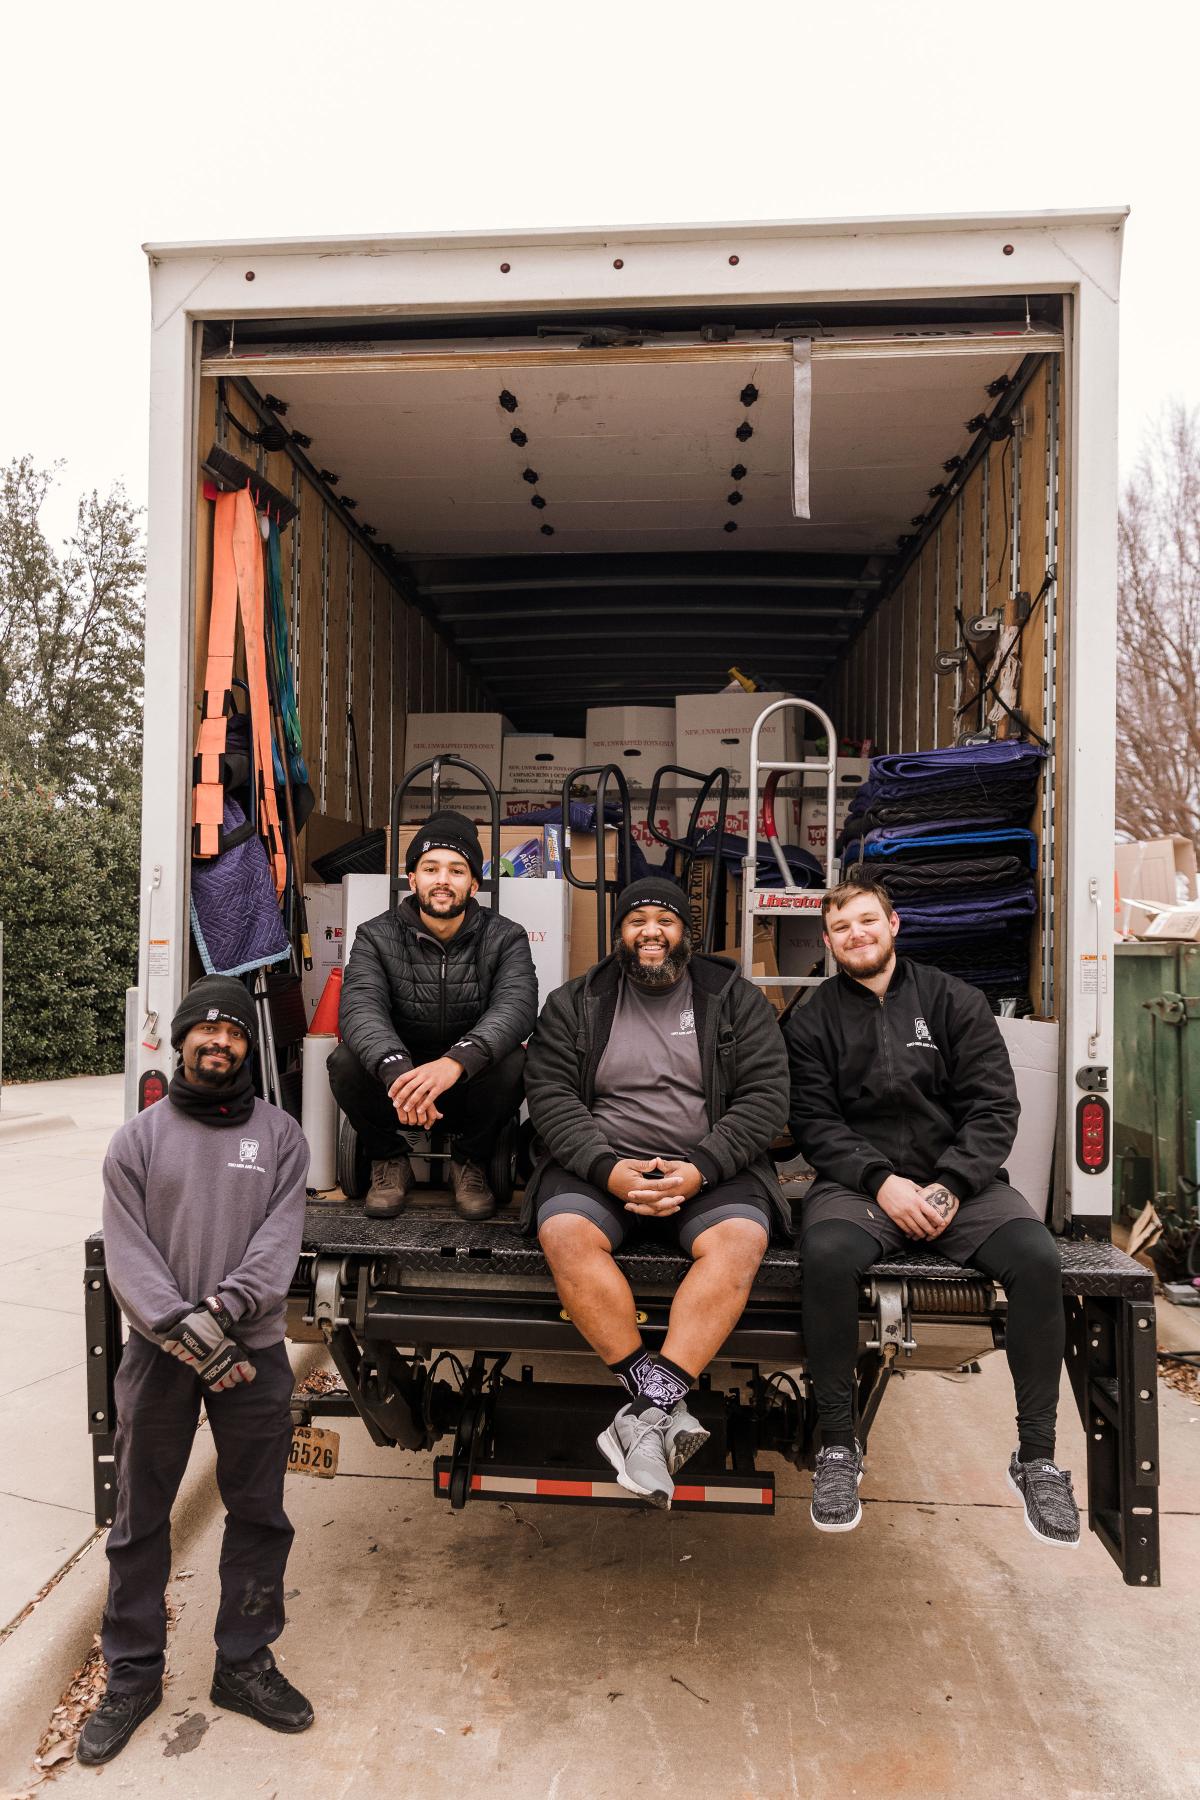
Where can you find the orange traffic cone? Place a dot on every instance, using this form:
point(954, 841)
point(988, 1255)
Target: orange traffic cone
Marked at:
point(325, 1019)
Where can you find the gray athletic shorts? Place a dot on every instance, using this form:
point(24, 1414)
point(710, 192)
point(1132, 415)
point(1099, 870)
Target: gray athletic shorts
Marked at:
point(973, 1223)
point(739, 1198)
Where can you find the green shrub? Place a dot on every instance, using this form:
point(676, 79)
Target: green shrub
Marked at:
point(69, 904)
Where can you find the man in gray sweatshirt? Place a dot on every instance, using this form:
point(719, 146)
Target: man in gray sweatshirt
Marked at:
point(203, 1213)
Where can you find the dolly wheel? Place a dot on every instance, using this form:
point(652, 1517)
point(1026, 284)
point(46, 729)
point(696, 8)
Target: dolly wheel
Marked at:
point(502, 1170)
point(353, 1163)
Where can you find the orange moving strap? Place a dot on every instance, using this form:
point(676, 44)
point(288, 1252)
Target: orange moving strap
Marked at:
point(237, 583)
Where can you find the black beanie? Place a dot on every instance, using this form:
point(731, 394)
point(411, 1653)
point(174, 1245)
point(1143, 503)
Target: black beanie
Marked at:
point(652, 890)
point(447, 831)
point(215, 997)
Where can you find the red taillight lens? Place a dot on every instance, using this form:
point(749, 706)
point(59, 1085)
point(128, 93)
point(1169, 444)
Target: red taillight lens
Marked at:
point(152, 1087)
point(1092, 1134)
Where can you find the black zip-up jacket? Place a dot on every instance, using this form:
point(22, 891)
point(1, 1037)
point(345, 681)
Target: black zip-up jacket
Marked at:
point(407, 997)
point(742, 1061)
point(917, 1084)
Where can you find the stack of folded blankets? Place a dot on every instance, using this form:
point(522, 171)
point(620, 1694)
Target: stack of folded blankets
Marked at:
point(947, 830)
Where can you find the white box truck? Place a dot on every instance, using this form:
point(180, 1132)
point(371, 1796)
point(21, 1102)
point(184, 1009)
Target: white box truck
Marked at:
point(537, 472)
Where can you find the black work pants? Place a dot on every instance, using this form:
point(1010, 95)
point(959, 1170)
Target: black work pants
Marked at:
point(158, 1408)
point(1022, 1256)
point(474, 1110)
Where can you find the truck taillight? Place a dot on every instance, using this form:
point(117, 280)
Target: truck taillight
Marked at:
point(1091, 1134)
point(151, 1087)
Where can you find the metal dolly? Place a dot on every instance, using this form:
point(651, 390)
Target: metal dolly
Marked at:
point(789, 901)
point(686, 847)
point(604, 773)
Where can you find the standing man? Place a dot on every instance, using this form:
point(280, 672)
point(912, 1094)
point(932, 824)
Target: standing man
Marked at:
point(439, 995)
point(904, 1102)
point(203, 1213)
point(656, 1082)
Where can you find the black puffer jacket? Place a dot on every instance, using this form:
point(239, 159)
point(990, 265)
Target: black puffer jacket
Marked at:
point(407, 998)
point(742, 1060)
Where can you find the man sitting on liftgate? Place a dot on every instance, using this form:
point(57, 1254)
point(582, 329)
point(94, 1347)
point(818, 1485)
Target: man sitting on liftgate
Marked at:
point(904, 1102)
point(655, 1083)
point(439, 995)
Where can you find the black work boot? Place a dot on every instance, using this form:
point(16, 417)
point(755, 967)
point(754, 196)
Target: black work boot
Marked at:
point(391, 1182)
point(472, 1195)
point(113, 1723)
point(258, 1689)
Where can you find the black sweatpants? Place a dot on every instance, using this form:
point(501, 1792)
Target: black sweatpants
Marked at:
point(158, 1407)
point(1021, 1255)
point(474, 1109)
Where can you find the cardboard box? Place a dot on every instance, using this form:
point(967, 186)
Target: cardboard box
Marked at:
point(814, 823)
point(1179, 923)
point(323, 904)
point(512, 838)
point(712, 731)
point(581, 905)
point(737, 816)
point(852, 771)
point(1033, 1049)
point(477, 736)
point(1159, 870)
point(639, 739)
point(538, 765)
point(540, 906)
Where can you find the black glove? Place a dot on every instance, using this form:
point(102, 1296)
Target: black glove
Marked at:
point(200, 1338)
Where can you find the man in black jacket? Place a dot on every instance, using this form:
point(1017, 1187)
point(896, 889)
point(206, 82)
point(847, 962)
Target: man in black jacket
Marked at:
point(903, 1100)
point(438, 997)
point(655, 1082)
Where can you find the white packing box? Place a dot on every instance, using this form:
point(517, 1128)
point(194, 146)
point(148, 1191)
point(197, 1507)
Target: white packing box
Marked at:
point(712, 731)
point(535, 767)
point(540, 906)
point(639, 739)
point(814, 822)
point(477, 736)
point(737, 815)
point(323, 904)
point(1033, 1052)
point(852, 771)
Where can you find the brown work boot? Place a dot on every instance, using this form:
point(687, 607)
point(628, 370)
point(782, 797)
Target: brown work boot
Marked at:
point(472, 1195)
point(391, 1183)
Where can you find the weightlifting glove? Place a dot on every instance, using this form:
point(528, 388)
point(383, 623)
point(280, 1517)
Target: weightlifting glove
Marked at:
point(200, 1338)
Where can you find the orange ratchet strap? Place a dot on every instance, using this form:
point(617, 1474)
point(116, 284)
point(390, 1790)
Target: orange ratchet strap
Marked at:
point(237, 581)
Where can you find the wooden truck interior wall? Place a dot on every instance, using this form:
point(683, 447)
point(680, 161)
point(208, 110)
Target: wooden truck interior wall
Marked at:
point(972, 560)
point(356, 642)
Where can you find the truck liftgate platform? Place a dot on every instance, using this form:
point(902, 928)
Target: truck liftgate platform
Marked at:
point(424, 1314)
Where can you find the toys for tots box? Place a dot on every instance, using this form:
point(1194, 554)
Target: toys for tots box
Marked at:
point(534, 767)
point(478, 737)
point(712, 731)
point(639, 739)
point(737, 815)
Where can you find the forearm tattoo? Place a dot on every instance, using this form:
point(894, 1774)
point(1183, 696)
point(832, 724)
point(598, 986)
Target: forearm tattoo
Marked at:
point(941, 1200)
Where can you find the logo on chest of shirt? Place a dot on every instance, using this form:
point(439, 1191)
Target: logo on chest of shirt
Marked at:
point(248, 1157)
point(923, 1039)
point(687, 1023)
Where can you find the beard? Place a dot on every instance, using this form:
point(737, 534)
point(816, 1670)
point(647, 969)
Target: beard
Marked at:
point(443, 908)
point(210, 1071)
point(660, 975)
point(867, 964)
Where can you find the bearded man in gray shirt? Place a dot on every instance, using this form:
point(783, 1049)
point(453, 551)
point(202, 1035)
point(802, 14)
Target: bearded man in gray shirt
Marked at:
point(203, 1213)
point(655, 1082)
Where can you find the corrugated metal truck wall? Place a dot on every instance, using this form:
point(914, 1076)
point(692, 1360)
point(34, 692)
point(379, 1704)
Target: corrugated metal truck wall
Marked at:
point(995, 537)
point(357, 645)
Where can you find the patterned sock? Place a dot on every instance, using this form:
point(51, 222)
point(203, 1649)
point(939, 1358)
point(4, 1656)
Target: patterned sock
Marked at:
point(651, 1380)
point(626, 1371)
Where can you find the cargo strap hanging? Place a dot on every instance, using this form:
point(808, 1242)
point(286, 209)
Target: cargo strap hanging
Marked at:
point(237, 581)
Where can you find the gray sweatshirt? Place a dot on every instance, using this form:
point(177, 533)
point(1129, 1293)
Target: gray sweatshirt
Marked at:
point(193, 1209)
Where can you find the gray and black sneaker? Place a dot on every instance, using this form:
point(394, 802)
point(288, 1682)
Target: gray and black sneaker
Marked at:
point(1050, 1510)
point(835, 1502)
point(635, 1446)
point(110, 1727)
point(391, 1183)
point(684, 1435)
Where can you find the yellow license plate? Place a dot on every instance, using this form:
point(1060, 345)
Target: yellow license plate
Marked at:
point(314, 1451)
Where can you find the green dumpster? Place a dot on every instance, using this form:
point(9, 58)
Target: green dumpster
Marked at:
point(1156, 1084)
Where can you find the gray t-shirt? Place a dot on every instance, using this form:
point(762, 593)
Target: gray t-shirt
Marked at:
point(649, 1087)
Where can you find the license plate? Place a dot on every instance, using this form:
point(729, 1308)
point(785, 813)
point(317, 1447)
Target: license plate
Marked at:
point(314, 1451)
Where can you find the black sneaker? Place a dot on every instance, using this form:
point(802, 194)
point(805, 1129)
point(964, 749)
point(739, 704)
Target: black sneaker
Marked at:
point(261, 1692)
point(835, 1502)
point(113, 1723)
point(1050, 1510)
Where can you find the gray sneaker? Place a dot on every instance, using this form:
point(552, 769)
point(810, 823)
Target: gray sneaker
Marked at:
point(391, 1182)
point(684, 1435)
point(634, 1445)
point(473, 1197)
point(1050, 1510)
point(835, 1502)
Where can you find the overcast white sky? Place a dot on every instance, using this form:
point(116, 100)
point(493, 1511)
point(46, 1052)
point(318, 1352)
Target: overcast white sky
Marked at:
point(132, 122)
